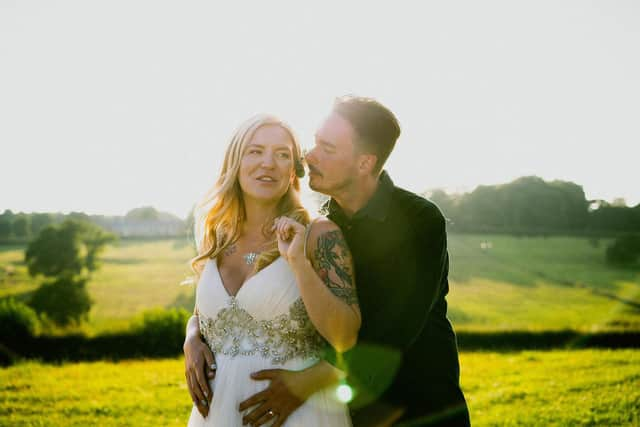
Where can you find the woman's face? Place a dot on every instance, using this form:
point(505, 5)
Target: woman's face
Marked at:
point(267, 166)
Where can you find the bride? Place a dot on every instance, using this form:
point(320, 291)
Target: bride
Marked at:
point(273, 289)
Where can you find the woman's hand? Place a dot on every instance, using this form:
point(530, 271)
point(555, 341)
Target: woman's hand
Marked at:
point(199, 359)
point(290, 234)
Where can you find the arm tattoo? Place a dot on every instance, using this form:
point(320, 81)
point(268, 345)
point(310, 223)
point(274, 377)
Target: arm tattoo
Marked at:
point(332, 254)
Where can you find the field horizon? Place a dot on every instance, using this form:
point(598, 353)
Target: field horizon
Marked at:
point(497, 283)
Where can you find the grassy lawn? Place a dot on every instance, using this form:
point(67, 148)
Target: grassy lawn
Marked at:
point(563, 388)
point(556, 388)
point(139, 393)
point(537, 283)
point(519, 283)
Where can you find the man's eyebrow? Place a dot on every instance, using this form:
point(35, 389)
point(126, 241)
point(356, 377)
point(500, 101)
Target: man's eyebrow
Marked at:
point(324, 142)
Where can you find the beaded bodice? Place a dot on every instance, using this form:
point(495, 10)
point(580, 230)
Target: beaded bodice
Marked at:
point(235, 332)
point(266, 318)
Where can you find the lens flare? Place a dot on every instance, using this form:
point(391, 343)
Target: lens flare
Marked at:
point(344, 393)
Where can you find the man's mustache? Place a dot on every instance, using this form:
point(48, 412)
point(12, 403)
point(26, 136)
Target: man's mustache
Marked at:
point(313, 170)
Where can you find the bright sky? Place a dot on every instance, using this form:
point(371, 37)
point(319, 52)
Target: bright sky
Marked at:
point(108, 106)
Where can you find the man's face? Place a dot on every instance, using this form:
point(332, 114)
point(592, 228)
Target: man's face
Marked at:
point(332, 161)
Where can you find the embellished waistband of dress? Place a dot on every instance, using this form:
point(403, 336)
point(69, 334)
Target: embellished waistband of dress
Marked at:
point(235, 332)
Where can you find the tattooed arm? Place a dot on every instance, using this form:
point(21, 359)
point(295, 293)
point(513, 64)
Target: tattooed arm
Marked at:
point(325, 279)
point(327, 285)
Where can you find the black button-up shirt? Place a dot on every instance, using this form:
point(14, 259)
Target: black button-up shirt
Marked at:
point(399, 247)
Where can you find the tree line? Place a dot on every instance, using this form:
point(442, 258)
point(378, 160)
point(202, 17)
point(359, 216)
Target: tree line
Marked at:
point(139, 222)
point(530, 205)
point(527, 205)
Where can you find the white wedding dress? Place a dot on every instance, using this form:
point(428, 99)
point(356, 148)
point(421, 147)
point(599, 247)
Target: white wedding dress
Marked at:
point(264, 326)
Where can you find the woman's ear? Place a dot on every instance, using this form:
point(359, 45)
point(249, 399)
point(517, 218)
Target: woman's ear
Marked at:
point(299, 167)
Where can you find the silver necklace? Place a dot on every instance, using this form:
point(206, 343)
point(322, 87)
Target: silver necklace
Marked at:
point(250, 257)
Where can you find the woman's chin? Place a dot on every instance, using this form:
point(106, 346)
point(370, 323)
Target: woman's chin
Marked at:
point(265, 196)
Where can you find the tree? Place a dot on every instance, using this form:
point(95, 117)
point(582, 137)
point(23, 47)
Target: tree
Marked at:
point(94, 239)
point(606, 217)
point(39, 221)
point(17, 320)
point(624, 250)
point(527, 204)
point(445, 202)
point(67, 249)
point(22, 226)
point(57, 251)
point(5, 228)
point(6, 224)
point(144, 213)
point(64, 300)
point(68, 252)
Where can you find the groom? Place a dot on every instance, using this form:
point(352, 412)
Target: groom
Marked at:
point(399, 246)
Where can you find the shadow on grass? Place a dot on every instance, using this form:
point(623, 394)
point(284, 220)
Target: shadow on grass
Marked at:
point(131, 344)
point(630, 304)
point(546, 340)
point(557, 266)
point(594, 290)
point(491, 268)
point(527, 275)
point(458, 317)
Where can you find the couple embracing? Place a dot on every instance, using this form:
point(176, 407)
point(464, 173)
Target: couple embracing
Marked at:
point(279, 325)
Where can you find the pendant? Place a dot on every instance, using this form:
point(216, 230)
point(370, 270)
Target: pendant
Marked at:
point(250, 257)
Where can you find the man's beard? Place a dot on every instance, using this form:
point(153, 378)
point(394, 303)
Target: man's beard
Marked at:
point(332, 189)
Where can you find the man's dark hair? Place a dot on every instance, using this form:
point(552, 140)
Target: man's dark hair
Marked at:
point(376, 127)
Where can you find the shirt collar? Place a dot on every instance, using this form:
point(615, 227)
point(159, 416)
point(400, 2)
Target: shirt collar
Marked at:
point(376, 208)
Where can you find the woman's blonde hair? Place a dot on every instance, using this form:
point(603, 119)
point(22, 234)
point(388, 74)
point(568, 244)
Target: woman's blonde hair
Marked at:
point(219, 216)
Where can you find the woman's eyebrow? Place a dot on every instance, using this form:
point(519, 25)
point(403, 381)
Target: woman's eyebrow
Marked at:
point(277, 147)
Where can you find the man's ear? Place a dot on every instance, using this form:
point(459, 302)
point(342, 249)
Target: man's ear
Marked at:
point(367, 163)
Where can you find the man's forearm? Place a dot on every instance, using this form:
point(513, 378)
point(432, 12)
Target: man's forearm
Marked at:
point(321, 375)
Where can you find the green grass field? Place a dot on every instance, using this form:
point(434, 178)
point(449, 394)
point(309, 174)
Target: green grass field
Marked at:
point(539, 284)
point(519, 284)
point(557, 388)
point(134, 276)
